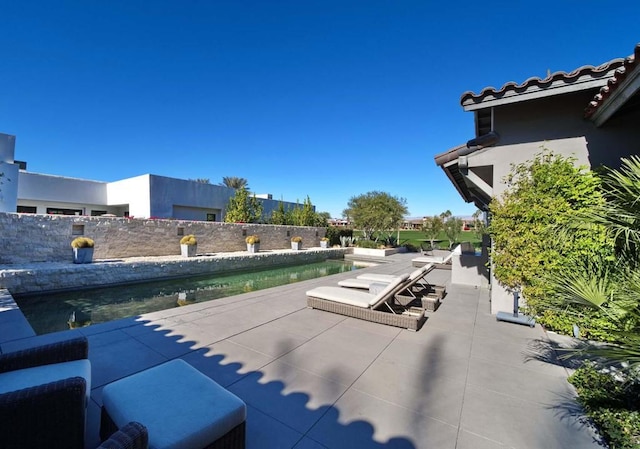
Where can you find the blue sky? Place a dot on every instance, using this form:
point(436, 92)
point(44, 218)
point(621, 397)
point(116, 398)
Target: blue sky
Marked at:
point(329, 99)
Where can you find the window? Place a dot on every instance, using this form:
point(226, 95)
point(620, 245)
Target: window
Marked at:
point(97, 213)
point(26, 210)
point(211, 217)
point(59, 211)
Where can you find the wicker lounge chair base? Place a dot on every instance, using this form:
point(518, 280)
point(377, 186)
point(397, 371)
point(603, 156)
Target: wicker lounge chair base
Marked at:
point(412, 319)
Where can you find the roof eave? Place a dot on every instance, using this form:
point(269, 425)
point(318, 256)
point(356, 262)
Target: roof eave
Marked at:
point(534, 93)
point(629, 87)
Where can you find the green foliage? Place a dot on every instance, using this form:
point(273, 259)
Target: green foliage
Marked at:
point(346, 241)
point(243, 208)
point(592, 325)
point(411, 248)
point(452, 228)
point(621, 212)
point(544, 196)
point(252, 239)
point(334, 234)
point(432, 227)
point(188, 240)
point(82, 242)
point(279, 215)
point(362, 243)
point(479, 226)
point(306, 215)
point(612, 403)
point(376, 214)
point(610, 286)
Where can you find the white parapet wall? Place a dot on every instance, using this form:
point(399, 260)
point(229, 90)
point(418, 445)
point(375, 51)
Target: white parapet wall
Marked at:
point(469, 267)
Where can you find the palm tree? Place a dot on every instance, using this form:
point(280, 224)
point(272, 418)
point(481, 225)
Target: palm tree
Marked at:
point(612, 285)
point(234, 182)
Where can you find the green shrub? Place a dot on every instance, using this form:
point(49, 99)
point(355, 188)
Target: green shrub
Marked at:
point(82, 242)
point(296, 239)
point(188, 240)
point(411, 248)
point(611, 403)
point(592, 325)
point(252, 239)
point(363, 243)
point(334, 233)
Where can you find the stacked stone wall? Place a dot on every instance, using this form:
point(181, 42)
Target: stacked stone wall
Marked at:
point(26, 238)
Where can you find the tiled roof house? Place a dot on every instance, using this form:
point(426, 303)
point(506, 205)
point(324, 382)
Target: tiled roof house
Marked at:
point(591, 113)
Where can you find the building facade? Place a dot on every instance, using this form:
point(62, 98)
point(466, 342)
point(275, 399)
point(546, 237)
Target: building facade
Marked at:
point(591, 114)
point(145, 196)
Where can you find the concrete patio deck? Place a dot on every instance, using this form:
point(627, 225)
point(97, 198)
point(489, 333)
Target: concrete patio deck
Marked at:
point(312, 379)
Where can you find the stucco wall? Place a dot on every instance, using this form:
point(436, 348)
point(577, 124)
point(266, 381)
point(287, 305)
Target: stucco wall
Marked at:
point(28, 238)
point(561, 117)
point(36, 186)
point(502, 157)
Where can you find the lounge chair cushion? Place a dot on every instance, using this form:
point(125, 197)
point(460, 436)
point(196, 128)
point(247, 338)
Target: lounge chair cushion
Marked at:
point(180, 406)
point(358, 283)
point(343, 295)
point(415, 274)
point(44, 374)
point(358, 298)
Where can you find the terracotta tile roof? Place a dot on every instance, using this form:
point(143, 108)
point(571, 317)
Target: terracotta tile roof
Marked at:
point(536, 83)
point(629, 64)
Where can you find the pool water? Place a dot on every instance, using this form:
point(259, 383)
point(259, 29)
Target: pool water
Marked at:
point(60, 311)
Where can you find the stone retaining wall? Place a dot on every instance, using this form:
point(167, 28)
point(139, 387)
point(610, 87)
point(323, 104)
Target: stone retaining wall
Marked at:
point(26, 238)
point(51, 277)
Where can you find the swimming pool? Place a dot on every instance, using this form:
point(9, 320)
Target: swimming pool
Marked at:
point(60, 311)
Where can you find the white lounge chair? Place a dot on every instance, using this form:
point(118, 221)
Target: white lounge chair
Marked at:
point(379, 308)
point(366, 281)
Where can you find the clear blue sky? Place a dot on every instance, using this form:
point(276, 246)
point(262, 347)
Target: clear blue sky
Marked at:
point(329, 99)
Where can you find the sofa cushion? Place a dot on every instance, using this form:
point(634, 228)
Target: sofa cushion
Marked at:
point(179, 406)
point(44, 374)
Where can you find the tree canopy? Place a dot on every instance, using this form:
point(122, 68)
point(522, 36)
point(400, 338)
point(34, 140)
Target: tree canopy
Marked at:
point(243, 208)
point(376, 213)
point(234, 182)
point(304, 215)
point(432, 226)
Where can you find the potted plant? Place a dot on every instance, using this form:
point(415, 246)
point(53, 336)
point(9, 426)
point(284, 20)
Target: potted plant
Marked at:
point(324, 242)
point(253, 243)
point(188, 245)
point(82, 250)
point(296, 242)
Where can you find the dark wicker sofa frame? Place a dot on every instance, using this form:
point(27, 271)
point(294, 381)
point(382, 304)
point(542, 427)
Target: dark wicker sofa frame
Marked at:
point(49, 415)
point(233, 439)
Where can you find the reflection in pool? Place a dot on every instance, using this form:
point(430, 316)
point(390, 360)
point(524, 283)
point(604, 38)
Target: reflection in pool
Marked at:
point(61, 311)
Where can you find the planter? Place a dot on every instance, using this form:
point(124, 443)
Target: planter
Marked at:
point(188, 250)
point(296, 246)
point(374, 252)
point(253, 247)
point(324, 244)
point(82, 255)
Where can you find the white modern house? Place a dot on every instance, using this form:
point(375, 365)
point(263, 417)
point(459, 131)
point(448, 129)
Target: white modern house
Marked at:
point(145, 196)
